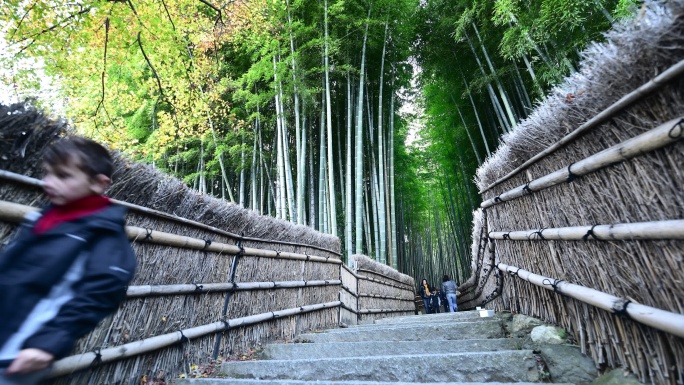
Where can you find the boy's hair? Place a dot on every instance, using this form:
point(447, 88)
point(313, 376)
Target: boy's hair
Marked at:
point(90, 156)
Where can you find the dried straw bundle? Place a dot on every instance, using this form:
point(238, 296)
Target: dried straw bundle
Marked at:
point(646, 188)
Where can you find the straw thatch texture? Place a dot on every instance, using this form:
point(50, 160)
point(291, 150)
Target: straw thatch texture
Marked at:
point(25, 132)
point(349, 296)
point(643, 189)
point(383, 291)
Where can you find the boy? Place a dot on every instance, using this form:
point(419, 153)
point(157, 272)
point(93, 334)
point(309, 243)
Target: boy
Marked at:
point(68, 267)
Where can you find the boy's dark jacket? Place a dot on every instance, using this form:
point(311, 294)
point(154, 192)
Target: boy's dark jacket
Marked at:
point(32, 264)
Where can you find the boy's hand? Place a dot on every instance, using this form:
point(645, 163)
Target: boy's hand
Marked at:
point(30, 360)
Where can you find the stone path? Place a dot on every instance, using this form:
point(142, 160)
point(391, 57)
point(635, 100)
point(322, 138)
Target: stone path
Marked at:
point(446, 348)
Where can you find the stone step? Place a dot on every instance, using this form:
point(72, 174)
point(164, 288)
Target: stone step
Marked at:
point(386, 348)
point(453, 331)
point(422, 319)
point(235, 381)
point(505, 366)
point(462, 315)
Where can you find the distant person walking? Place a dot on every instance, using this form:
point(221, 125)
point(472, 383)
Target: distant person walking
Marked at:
point(444, 301)
point(434, 296)
point(449, 287)
point(424, 292)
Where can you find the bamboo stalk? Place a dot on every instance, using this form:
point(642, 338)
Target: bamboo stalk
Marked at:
point(81, 361)
point(659, 137)
point(8, 175)
point(666, 321)
point(149, 290)
point(653, 85)
point(15, 213)
point(658, 230)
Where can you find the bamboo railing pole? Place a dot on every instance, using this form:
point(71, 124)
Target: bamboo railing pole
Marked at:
point(666, 321)
point(147, 290)
point(384, 276)
point(658, 230)
point(378, 311)
point(8, 175)
point(350, 291)
point(653, 85)
point(82, 361)
point(659, 137)
point(15, 212)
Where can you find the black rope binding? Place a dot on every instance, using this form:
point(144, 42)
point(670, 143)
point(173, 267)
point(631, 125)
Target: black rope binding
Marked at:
point(497, 199)
point(241, 253)
point(514, 273)
point(571, 176)
point(621, 312)
point(148, 235)
point(507, 236)
point(553, 284)
point(226, 325)
point(207, 243)
point(671, 134)
point(198, 287)
point(98, 357)
point(526, 189)
point(183, 339)
point(539, 234)
point(590, 233)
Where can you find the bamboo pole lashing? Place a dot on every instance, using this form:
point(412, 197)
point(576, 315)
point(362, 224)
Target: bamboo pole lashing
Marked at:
point(396, 298)
point(659, 137)
point(81, 361)
point(15, 213)
point(378, 311)
point(369, 279)
point(147, 290)
point(384, 276)
point(654, 84)
point(350, 291)
point(8, 175)
point(657, 230)
point(666, 321)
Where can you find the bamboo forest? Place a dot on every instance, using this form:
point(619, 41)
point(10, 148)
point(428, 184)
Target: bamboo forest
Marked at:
point(364, 119)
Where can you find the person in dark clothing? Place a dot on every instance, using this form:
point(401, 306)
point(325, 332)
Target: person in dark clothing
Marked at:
point(424, 292)
point(68, 267)
point(434, 299)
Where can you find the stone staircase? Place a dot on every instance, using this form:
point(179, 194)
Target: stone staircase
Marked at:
point(446, 348)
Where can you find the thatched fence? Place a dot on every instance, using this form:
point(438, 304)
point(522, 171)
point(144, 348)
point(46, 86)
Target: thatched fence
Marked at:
point(582, 220)
point(213, 279)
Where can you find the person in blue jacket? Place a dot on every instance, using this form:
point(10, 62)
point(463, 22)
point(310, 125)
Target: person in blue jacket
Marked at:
point(68, 267)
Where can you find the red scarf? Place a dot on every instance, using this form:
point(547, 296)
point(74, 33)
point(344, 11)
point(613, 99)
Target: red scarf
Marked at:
point(70, 211)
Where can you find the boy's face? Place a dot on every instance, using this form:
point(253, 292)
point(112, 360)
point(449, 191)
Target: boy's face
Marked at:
point(67, 182)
